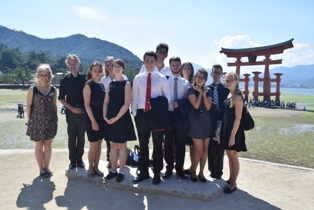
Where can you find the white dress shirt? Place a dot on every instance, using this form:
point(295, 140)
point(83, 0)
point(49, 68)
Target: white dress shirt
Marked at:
point(105, 80)
point(165, 70)
point(159, 87)
point(183, 85)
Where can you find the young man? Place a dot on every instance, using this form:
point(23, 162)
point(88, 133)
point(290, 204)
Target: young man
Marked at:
point(215, 153)
point(162, 53)
point(71, 96)
point(176, 134)
point(149, 86)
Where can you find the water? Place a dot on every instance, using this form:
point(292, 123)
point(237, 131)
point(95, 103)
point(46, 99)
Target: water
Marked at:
point(299, 91)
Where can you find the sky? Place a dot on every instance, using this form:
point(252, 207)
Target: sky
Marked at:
point(194, 30)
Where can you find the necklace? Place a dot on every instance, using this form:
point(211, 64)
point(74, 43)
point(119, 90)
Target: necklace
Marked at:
point(43, 90)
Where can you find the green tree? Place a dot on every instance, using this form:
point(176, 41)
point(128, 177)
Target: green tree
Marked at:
point(22, 75)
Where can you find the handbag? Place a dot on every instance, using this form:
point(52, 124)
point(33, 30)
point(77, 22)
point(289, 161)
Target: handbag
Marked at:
point(248, 122)
point(133, 156)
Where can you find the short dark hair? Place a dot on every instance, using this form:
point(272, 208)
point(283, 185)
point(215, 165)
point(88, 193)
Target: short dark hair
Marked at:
point(95, 63)
point(218, 66)
point(150, 53)
point(119, 62)
point(174, 58)
point(162, 45)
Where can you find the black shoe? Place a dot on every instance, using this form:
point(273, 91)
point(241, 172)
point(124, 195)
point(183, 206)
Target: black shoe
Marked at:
point(212, 176)
point(49, 172)
point(111, 175)
point(167, 175)
point(193, 179)
point(202, 179)
point(229, 191)
point(182, 175)
point(140, 178)
point(72, 165)
point(156, 179)
point(81, 164)
point(218, 176)
point(43, 173)
point(120, 178)
point(187, 171)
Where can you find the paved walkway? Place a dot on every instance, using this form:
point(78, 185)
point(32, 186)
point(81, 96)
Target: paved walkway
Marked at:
point(261, 185)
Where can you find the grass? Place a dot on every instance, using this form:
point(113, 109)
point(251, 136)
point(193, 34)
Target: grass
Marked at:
point(287, 140)
point(282, 140)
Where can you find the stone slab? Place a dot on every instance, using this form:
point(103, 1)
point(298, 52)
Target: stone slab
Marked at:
point(173, 186)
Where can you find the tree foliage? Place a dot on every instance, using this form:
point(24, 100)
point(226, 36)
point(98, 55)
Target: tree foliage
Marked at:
point(20, 68)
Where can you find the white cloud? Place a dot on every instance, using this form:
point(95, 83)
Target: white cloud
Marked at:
point(301, 54)
point(239, 41)
point(90, 13)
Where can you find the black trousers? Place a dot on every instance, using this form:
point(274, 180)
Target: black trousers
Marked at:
point(215, 158)
point(143, 130)
point(175, 137)
point(76, 135)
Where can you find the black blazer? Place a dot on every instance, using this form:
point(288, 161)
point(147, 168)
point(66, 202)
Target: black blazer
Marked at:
point(217, 114)
point(159, 117)
point(181, 119)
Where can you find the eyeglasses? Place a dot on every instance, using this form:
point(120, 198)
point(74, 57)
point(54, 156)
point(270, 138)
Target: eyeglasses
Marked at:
point(217, 72)
point(228, 80)
point(200, 78)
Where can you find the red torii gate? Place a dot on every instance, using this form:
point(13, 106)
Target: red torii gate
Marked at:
point(252, 54)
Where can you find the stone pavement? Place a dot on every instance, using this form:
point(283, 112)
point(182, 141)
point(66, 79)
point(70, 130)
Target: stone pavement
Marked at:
point(261, 185)
point(173, 186)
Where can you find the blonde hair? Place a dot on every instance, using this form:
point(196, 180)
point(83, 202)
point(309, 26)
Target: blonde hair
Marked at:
point(108, 59)
point(237, 90)
point(44, 68)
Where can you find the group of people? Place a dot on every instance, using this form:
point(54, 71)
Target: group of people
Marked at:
point(171, 104)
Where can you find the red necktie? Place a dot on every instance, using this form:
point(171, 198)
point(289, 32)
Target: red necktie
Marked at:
point(148, 91)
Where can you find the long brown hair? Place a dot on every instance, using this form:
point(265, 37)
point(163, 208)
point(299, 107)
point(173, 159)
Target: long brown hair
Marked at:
point(192, 71)
point(95, 63)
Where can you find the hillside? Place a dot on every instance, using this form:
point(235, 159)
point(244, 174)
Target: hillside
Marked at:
point(88, 49)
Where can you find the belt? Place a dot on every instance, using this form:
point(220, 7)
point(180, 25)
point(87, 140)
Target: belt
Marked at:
point(143, 110)
point(96, 103)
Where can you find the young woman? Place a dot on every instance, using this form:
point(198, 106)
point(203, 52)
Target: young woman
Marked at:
point(42, 117)
point(94, 94)
point(116, 113)
point(232, 137)
point(187, 72)
point(109, 76)
point(201, 99)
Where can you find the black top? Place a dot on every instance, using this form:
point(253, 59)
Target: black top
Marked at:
point(222, 94)
point(71, 89)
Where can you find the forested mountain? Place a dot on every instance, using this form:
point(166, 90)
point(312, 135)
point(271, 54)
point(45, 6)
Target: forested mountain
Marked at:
point(23, 52)
point(88, 49)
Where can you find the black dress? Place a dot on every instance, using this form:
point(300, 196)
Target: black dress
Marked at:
point(199, 118)
point(226, 128)
point(97, 96)
point(123, 129)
